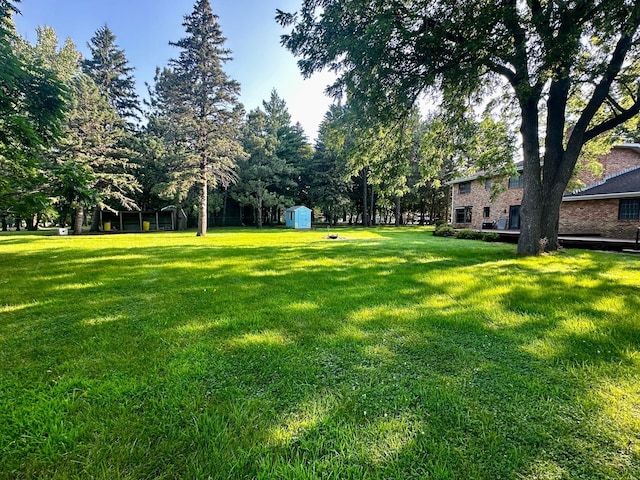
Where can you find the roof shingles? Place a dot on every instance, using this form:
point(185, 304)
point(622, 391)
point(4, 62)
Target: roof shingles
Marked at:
point(626, 182)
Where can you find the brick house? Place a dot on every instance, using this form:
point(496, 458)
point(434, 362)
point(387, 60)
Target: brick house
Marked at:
point(608, 207)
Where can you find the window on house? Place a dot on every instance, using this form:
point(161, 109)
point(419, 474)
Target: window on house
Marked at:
point(629, 209)
point(464, 187)
point(515, 182)
point(486, 212)
point(487, 184)
point(463, 215)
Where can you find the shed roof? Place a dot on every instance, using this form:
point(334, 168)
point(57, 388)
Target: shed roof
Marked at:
point(296, 207)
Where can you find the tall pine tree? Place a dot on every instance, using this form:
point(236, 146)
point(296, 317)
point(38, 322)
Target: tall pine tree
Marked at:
point(201, 102)
point(93, 168)
point(110, 70)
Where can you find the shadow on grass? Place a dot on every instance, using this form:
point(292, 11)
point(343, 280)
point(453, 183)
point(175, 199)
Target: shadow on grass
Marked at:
point(403, 356)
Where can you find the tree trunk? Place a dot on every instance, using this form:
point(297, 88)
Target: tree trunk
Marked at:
point(447, 213)
point(202, 205)
point(398, 210)
point(365, 207)
point(259, 213)
point(557, 166)
point(531, 208)
point(77, 228)
point(225, 196)
point(31, 226)
point(372, 215)
point(554, 188)
point(95, 220)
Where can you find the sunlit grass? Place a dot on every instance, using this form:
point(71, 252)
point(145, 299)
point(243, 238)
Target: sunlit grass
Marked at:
point(282, 354)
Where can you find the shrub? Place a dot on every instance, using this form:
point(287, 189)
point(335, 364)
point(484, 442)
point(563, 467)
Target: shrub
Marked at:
point(468, 234)
point(440, 223)
point(491, 237)
point(444, 231)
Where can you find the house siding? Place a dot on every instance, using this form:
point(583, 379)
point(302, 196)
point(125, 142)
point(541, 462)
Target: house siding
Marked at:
point(479, 198)
point(618, 160)
point(596, 217)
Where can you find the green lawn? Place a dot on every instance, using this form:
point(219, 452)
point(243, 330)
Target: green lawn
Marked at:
point(279, 354)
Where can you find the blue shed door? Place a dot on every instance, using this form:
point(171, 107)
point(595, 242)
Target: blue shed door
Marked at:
point(305, 219)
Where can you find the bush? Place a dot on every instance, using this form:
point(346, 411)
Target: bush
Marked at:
point(444, 231)
point(468, 234)
point(491, 237)
point(440, 223)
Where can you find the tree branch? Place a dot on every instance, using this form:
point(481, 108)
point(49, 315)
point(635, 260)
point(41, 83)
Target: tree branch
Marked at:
point(611, 123)
point(614, 104)
point(579, 135)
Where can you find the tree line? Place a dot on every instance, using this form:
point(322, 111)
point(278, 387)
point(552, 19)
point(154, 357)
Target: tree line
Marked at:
point(545, 78)
point(82, 141)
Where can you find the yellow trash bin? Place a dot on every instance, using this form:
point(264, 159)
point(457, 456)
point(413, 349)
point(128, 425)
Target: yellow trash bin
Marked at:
point(107, 226)
point(145, 226)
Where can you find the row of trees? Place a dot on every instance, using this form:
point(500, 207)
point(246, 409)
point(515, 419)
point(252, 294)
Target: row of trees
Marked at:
point(81, 141)
point(73, 134)
point(64, 146)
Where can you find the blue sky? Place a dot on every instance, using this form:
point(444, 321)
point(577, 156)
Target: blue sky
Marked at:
point(143, 28)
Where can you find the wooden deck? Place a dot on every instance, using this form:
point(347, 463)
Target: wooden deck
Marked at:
point(579, 241)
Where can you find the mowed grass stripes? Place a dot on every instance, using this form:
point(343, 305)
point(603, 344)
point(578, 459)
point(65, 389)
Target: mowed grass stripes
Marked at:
point(281, 354)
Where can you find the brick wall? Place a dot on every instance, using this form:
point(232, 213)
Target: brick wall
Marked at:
point(601, 216)
point(616, 161)
point(479, 198)
point(596, 217)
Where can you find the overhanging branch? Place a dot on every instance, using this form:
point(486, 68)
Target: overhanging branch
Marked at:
point(611, 123)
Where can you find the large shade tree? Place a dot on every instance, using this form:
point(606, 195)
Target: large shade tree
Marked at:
point(544, 53)
point(32, 99)
point(195, 95)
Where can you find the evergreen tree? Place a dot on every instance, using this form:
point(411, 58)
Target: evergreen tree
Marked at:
point(295, 149)
point(93, 169)
point(88, 165)
point(328, 175)
point(201, 104)
point(291, 148)
point(263, 171)
point(110, 70)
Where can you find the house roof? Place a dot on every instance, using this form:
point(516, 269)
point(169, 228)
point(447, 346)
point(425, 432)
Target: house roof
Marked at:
point(631, 146)
point(620, 185)
point(480, 174)
point(519, 165)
